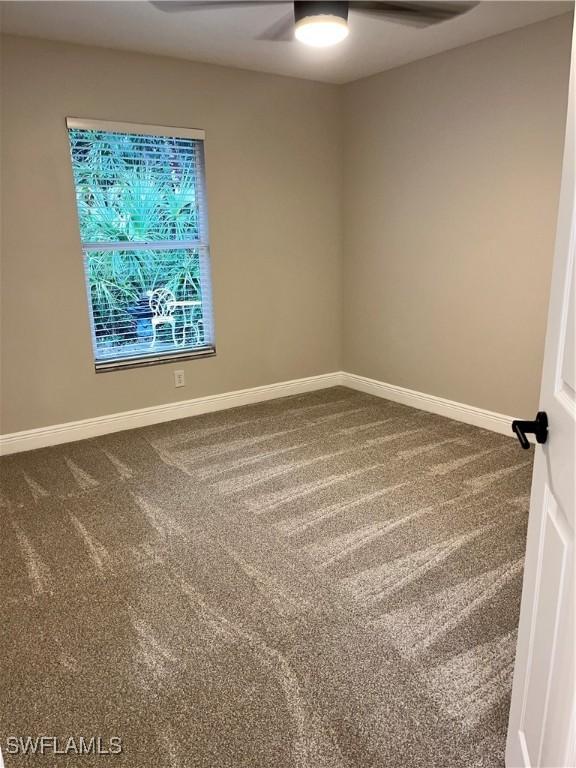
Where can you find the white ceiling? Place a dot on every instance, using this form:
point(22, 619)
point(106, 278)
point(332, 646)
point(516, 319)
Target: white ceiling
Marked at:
point(228, 36)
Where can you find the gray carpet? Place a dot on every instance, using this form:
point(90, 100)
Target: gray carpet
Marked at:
point(325, 581)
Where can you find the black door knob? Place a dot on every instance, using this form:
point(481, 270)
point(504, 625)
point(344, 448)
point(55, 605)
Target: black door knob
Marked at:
point(538, 427)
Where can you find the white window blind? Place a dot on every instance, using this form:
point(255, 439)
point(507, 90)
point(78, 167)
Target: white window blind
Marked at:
point(140, 195)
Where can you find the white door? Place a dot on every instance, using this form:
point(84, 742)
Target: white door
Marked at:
point(542, 727)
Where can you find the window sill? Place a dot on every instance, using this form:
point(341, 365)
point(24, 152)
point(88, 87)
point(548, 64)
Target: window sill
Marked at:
point(102, 366)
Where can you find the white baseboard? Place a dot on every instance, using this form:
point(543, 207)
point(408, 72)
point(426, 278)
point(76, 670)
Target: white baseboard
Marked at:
point(143, 417)
point(469, 414)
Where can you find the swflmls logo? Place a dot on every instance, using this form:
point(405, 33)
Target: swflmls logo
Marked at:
point(54, 745)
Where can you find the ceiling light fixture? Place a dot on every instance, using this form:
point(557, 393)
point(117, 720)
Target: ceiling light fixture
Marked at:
point(321, 24)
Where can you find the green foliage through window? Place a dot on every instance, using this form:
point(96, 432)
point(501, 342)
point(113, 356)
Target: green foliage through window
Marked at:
point(139, 201)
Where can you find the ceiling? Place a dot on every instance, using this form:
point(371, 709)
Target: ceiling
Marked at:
point(230, 37)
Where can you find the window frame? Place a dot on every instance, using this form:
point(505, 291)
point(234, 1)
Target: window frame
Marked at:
point(202, 244)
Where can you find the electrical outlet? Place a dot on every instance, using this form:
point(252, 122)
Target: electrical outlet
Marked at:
point(179, 379)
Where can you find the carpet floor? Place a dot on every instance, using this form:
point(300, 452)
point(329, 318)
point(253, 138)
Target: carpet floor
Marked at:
point(325, 581)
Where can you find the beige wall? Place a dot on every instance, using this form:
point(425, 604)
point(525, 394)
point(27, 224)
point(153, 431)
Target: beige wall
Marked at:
point(273, 158)
point(445, 180)
point(452, 179)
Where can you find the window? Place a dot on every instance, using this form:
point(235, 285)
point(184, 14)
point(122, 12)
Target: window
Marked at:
point(142, 216)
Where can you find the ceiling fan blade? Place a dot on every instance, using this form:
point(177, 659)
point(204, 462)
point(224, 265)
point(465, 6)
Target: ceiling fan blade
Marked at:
point(418, 14)
point(178, 6)
point(281, 31)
